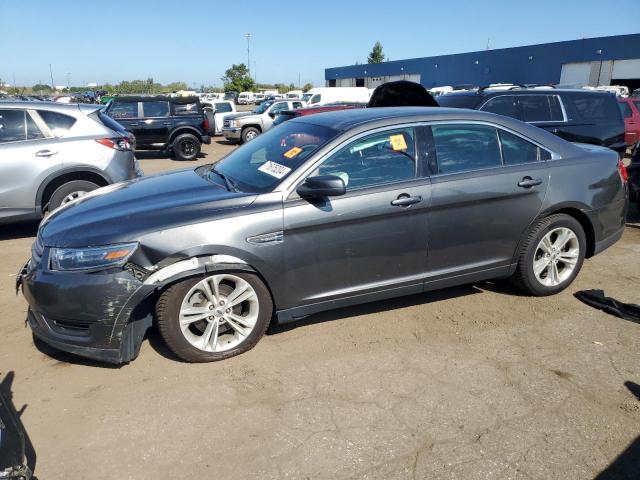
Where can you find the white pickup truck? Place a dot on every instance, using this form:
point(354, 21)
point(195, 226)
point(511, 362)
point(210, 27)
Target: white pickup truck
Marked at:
point(245, 126)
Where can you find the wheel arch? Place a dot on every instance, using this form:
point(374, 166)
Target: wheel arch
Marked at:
point(179, 130)
point(252, 125)
point(60, 177)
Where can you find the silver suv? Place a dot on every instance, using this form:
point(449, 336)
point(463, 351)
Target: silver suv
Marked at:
point(53, 153)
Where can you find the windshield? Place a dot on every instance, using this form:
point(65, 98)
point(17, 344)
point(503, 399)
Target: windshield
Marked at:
point(263, 107)
point(261, 164)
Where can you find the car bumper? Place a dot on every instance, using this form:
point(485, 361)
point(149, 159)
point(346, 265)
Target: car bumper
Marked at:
point(93, 315)
point(232, 133)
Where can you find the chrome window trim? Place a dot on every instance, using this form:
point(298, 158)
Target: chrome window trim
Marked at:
point(564, 112)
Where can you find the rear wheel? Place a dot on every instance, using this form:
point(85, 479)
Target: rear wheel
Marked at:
point(216, 317)
point(249, 134)
point(551, 256)
point(186, 147)
point(70, 191)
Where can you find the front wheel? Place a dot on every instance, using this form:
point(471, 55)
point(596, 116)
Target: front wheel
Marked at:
point(213, 318)
point(249, 134)
point(551, 256)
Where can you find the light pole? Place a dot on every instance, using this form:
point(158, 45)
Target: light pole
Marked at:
point(248, 37)
point(68, 81)
point(51, 73)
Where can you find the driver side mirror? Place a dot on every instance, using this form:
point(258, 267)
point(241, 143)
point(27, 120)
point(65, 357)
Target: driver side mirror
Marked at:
point(322, 186)
point(272, 114)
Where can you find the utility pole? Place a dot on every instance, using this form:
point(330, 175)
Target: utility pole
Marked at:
point(255, 73)
point(248, 37)
point(298, 80)
point(53, 87)
point(68, 80)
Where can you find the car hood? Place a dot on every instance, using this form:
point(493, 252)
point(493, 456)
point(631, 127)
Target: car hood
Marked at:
point(124, 211)
point(241, 114)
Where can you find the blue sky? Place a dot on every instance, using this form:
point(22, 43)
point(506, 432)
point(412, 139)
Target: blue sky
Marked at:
point(196, 40)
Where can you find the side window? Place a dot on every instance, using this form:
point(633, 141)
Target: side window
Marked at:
point(637, 105)
point(596, 107)
point(185, 108)
point(461, 148)
point(155, 109)
point(516, 150)
point(625, 109)
point(33, 132)
point(536, 108)
point(222, 107)
point(374, 160)
point(316, 98)
point(278, 107)
point(506, 105)
point(297, 105)
point(58, 123)
point(12, 126)
point(123, 110)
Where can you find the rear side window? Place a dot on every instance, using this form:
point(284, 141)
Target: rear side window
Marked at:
point(33, 132)
point(297, 105)
point(315, 99)
point(540, 108)
point(155, 109)
point(461, 148)
point(595, 107)
point(625, 109)
point(506, 105)
point(123, 110)
point(223, 107)
point(637, 104)
point(516, 150)
point(12, 126)
point(185, 108)
point(58, 123)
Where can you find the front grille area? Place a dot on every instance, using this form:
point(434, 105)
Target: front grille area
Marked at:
point(226, 124)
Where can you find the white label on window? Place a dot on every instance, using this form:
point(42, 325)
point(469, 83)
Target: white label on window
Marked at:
point(274, 169)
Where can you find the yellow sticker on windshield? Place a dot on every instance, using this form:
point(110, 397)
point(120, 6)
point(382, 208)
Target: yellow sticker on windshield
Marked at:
point(294, 152)
point(398, 142)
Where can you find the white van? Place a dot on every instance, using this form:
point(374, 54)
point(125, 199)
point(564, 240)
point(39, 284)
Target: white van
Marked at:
point(245, 98)
point(294, 94)
point(326, 95)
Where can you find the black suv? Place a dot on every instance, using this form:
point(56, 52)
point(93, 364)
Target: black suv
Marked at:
point(174, 124)
point(576, 115)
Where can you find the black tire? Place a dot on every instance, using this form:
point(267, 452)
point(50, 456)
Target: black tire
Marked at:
point(69, 188)
point(186, 147)
point(168, 314)
point(524, 276)
point(249, 134)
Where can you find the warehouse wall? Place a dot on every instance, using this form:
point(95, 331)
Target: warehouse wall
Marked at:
point(541, 64)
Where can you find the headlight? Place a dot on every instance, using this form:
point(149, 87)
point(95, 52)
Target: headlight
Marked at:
point(93, 258)
point(232, 123)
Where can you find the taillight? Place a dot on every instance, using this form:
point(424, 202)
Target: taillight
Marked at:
point(206, 123)
point(119, 143)
point(624, 175)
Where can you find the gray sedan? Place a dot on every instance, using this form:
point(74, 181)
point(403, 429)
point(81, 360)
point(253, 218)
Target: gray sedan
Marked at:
point(52, 153)
point(323, 211)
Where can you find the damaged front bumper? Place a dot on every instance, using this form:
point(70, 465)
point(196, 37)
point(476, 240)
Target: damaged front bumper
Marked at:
point(98, 315)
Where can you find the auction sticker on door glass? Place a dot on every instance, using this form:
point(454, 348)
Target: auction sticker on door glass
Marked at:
point(274, 169)
point(398, 142)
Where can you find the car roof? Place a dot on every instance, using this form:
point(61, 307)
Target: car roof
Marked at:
point(151, 98)
point(53, 106)
point(523, 91)
point(364, 119)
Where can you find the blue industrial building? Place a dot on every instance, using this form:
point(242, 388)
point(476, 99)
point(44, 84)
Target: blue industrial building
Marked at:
point(590, 61)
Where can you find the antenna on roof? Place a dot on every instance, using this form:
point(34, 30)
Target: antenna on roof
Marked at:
point(488, 43)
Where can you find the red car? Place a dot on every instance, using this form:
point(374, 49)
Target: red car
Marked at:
point(285, 115)
point(630, 108)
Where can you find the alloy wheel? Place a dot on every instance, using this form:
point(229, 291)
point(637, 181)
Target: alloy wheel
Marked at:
point(72, 196)
point(556, 256)
point(218, 313)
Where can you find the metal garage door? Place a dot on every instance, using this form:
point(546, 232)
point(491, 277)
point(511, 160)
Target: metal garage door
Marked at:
point(626, 69)
point(575, 73)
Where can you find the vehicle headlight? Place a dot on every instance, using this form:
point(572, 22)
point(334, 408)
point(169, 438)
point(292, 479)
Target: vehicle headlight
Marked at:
point(93, 258)
point(232, 123)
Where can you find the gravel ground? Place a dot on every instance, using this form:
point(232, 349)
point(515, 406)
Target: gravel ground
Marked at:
point(474, 382)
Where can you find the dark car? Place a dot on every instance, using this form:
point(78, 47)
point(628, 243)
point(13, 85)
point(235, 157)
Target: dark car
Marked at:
point(633, 170)
point(584, 116)
point(174, 124)
point(285, 115)
point(325, 211)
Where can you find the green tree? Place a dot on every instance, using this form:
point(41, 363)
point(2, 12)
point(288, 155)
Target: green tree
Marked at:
point(41, 87)
point(175, 86)
point(376, 55)
point(292, 86)
point(237, 79)
point(307, 87)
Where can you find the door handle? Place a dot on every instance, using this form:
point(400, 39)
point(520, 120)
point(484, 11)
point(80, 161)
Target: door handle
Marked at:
point(405, 200)
point(134, 124)
point(166, 123)
point(45, 153)
point(528, 182)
